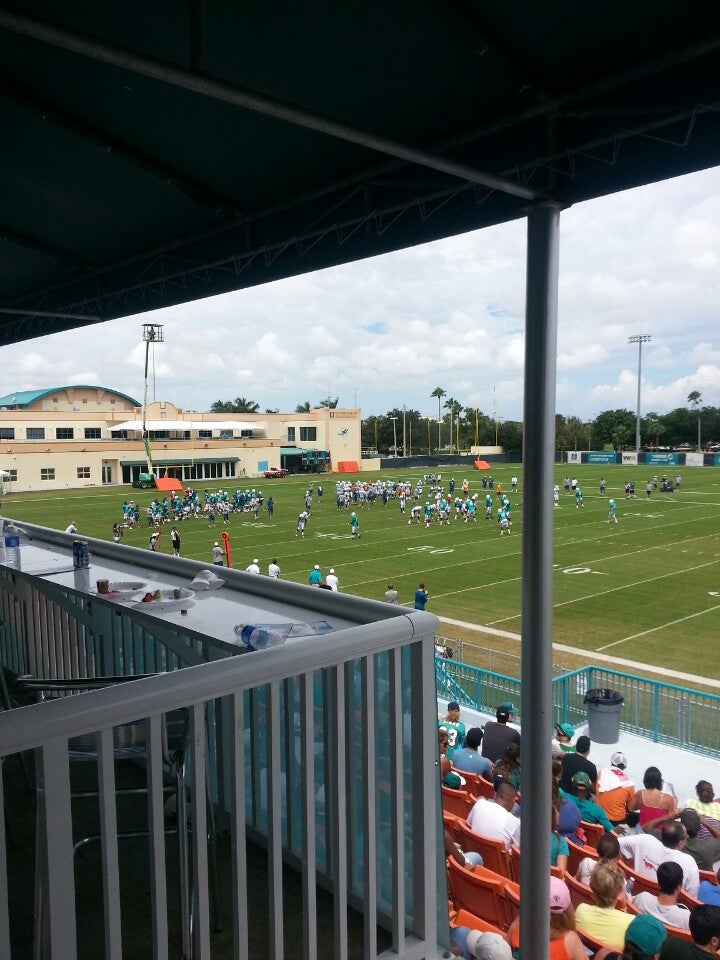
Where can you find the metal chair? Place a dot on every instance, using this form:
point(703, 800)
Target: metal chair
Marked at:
point(130, 743)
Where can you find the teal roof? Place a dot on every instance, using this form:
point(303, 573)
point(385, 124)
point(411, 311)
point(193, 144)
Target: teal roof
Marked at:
point(20, 399)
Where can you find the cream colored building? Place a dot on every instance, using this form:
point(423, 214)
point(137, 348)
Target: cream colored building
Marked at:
point(81, 436)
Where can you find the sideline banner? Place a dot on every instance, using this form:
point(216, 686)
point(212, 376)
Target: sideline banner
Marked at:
point(600, 456)
point(694, 459)
point(716, 460)
point(630, 459)
point(574, 456)
point(661, 458)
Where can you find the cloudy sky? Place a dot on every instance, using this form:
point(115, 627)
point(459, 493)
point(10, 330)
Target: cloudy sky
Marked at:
point(385, 332)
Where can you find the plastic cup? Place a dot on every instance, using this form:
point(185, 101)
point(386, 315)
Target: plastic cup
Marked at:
point(103, 586)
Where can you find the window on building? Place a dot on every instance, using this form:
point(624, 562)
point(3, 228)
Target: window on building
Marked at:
point(93, 433)
point(159, 434)
point(35, 433)
point(47, 473)
point(226, 434)
point(7, 433)
point(308, 433)
point(246, 434)
point(64, 433)
point(291, 434)
point(13, 475)
point(83, 473)
point(205, 434)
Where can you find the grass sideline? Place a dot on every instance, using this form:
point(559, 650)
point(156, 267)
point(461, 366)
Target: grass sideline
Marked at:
point(646, 589)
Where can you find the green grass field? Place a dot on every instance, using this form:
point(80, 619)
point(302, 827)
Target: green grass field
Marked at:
point(646, 589)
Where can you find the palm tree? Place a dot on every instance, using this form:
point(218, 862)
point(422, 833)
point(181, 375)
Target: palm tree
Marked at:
point(439, 393)
point(303, 407)
point(694, 398)
point(243, 405)
point(455, 408)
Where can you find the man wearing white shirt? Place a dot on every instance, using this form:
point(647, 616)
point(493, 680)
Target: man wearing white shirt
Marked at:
point(493, 818)
point(253, 567)
point(273, 569)
point(332, 581)
point(647, 853)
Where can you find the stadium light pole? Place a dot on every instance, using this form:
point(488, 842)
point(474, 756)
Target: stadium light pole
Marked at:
point(639, 339)
point(394, 420)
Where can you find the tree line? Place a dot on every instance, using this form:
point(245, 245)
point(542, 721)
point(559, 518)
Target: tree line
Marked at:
point(458, 427)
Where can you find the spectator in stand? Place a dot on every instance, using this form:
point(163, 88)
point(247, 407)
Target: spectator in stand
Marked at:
point(455, 728)
point(707, 806)
point(647, 853)
point(559, 850)
point(568, 813)
point(565, 944)
point(608, 850)
point(601, 919)
point(468, 759)
point(665, 905)
point(561, 742)
point(652, 802)
point(615, 793)
point(497, 735)
point(705, 931)
point(578, 762)
point(705, 853)
point(644, 939)
point(508, 766)
point(581, 796)
point(710, 892)
point(494, 818)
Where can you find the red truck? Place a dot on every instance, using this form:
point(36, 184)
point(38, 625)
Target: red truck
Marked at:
point(275, 472)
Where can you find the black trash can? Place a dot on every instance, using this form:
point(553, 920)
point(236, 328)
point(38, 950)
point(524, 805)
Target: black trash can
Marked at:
point(603, 714)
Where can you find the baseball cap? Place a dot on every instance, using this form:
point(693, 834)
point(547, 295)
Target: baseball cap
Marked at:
point(647, 933)
point(332, 569)
point(581, 781)
point(566, 728)
point(317, 566)
point(488, 946)
point(217, 543)
point(256, 560)
point(509, 706)
point(502, 714)
point(453, 705)
point(618, 760)
point(559, 895)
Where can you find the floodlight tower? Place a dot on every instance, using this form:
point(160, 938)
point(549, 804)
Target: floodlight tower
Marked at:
point(639, 339)
point(152, 333)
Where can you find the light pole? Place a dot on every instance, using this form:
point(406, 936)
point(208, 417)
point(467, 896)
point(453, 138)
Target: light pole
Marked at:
point(404, 427)
point(394, 420)
point(639, 339)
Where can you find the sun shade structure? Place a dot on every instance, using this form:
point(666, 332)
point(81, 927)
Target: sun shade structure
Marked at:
point(166, 152)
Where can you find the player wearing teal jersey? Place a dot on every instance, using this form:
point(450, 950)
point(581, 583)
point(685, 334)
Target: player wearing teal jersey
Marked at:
point(612, 515)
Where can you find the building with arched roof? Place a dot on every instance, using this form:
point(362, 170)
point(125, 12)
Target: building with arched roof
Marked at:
point(78, 436)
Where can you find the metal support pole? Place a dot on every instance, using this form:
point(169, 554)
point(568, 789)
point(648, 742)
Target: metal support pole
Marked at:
point(537, 570)
point(639, 339)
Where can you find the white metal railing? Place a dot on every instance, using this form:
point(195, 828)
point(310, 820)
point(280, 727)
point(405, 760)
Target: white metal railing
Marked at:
point(308, 747)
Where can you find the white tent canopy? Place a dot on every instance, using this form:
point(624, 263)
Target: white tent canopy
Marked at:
point(190, 425)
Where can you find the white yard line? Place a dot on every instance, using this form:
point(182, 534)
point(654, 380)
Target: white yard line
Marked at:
point(660, 626)
point(594, 657)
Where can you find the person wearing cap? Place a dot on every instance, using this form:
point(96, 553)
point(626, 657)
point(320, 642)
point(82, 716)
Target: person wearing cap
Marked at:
point(454, 727)
point(573, 763)
point(615, 792)
point(565, 944)
point(665, 904)
point(71, 527)
point(468, 759)
point(601, 919)
point(560, 744)
point(644, 940)
point(485, 945)
point(581, 796)
point(315, 577)
point(217, 554)
point(497, 735)
point(494, 818)
point(354, 526)
point(253, 567)
point(332, 581)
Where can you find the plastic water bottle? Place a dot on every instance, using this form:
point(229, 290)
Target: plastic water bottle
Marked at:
point(12, 552)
